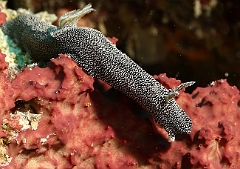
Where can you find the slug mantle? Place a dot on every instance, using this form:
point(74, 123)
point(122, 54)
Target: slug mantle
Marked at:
point(91, 50)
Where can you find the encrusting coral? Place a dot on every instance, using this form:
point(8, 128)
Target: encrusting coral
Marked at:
point(54, 117)
point(213, 142)
point(81, 128)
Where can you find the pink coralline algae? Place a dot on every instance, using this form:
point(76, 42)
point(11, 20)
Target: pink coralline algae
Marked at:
point(53, 117)
point(2, 16)
point(213, 142)
point(215, 134)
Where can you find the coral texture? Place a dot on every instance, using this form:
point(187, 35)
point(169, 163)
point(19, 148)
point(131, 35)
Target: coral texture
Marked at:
point(76, 128)
point(2, 16)
point(213, 142)
point(59, 121)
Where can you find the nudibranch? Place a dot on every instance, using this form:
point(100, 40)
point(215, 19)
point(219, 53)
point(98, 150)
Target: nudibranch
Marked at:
point(98, 57)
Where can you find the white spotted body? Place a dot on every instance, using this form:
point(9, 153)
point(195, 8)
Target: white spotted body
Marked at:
point(91, 50)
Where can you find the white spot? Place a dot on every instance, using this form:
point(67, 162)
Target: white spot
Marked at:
point(226, 74)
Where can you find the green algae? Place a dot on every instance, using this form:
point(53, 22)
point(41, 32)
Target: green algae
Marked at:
point(22, 58)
